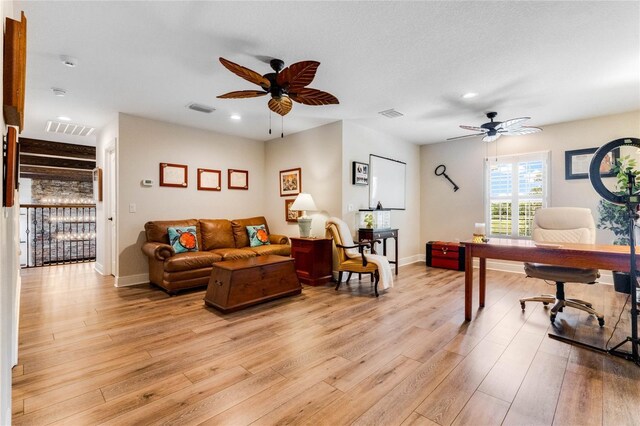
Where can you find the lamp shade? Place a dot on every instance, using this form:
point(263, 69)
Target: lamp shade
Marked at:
point(303, 202)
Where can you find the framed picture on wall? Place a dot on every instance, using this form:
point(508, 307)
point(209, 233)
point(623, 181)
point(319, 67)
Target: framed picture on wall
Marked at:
point(238, 179)
point(290, 182)
point(359, 173)
point(290, 215)
point(209, 180)
point(577, 162)
point(173, 175)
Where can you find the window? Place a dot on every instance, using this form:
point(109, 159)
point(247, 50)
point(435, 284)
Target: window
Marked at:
point(516, 185)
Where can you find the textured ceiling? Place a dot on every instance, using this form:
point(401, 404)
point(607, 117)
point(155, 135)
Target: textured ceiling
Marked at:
point(552, 61)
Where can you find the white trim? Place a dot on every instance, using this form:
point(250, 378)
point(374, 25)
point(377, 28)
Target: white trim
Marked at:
point(132, 280)
point(412, 259)
point(98, 268)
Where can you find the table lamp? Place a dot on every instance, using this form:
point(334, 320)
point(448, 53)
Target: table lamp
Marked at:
point(303, 203)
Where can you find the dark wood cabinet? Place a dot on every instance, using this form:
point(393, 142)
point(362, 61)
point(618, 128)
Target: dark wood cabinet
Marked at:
point(313, 258)
point(365, 234)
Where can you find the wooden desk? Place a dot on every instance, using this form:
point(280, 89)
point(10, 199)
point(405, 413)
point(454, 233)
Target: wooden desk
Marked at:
point(608, 257)
point(380, 234)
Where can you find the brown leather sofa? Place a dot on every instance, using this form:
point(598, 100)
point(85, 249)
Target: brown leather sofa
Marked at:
point(218, 240)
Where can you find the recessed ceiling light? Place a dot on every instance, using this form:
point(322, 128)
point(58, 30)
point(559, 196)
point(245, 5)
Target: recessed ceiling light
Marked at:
point(469, 95)
point(63, 118)
point(58, 92)
point(235, 117)
point(68, 61)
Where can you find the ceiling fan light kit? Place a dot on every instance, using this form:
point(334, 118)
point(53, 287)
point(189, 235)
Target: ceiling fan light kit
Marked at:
point(492, 130)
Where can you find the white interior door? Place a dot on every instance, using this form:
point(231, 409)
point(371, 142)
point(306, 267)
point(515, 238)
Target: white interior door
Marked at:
point(110, 211)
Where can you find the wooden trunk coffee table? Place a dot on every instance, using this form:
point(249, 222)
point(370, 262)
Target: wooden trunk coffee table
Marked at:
point(237, 284)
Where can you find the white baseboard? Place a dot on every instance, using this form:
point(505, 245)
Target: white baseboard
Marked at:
point(412, 259)
point(98, 268)
point(132, 280)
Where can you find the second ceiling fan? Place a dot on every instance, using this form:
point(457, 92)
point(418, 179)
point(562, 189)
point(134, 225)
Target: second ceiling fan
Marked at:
point(284, 85)
point(492, 130)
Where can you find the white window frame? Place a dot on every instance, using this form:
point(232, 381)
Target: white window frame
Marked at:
point(545, 157)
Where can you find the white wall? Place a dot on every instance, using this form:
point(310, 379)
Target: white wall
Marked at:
point(9, 279)
point(105, 140)
point(318, 153)
point(142, 145)
point(357, 143)
point(448, 215)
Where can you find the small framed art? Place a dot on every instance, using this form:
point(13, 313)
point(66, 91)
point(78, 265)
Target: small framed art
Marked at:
point(290, 182)
point(174, 175)
point(578, 161)
point(290, 215)
point(209, 180)
point(360, 173)
point(238, 179)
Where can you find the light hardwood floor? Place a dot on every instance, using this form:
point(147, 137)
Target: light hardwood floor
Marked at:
point(92, 354)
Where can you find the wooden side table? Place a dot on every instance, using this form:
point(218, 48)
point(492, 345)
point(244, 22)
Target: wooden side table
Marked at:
point(313, 258)
point(381, 234)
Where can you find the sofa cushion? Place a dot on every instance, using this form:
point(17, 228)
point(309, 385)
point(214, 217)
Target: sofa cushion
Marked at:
point(279, 249)
point(191, 260)
point(216, 233)
point(240, 229)
point(157, 230)
point(233, 253)
point(183, 239)
point(258, 235)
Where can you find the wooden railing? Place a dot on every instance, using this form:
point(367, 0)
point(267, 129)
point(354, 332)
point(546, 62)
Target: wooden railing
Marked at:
point(57, 234)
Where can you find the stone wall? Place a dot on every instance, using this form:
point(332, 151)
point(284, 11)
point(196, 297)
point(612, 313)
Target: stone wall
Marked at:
point(42, 189)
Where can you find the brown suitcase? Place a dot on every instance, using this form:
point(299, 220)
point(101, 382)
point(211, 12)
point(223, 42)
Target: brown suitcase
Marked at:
point(447, 255)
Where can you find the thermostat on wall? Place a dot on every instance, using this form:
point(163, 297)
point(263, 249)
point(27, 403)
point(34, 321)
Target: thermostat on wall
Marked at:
point(147, 182)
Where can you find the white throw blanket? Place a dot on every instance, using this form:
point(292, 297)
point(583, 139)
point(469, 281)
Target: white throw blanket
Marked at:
point(384, 268)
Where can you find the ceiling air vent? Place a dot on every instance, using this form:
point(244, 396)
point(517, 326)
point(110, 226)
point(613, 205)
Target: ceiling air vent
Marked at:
point(201, 108)
point(69, 128)
point(391, 113)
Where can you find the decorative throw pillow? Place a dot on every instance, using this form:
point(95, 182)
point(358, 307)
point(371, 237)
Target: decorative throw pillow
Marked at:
point(258, 235)
point(183, 239)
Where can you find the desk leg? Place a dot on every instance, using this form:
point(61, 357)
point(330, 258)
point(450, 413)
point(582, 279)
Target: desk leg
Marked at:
point(483, 280)
point(468, 284)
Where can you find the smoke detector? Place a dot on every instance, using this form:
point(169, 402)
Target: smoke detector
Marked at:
point(58, 92)
point(68, 61)
point(201, 108)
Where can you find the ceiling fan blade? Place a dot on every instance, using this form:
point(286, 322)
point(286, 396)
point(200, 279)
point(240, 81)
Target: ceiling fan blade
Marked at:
point(310, 96)
point(241, 94)
point(513, 123)
point(491, 138)
point(523, 130)
point(466, 136)
point(246, 73)
point(280, 106)
point(298, 75)
point(475, 129)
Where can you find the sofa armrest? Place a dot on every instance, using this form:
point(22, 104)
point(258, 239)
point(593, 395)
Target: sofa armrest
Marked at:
point(278, 239)
point(158, 251)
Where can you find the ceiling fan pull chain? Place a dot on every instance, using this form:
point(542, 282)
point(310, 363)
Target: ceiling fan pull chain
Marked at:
point(282, 126)
point(269, 122)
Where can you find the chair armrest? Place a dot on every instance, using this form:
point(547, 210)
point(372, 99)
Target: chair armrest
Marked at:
point(158, 251)
point(278, 239)
point(358, 245)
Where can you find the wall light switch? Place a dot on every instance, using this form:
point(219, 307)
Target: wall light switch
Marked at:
point(132, 207)
point(350, 207)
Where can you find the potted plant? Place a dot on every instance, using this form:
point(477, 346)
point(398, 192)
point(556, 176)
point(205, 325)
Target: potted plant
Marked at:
point(615, 217)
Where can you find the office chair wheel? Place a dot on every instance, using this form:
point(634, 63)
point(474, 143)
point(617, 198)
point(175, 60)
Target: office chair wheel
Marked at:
point(522, 305)
point(601, 322)
point(552, 317)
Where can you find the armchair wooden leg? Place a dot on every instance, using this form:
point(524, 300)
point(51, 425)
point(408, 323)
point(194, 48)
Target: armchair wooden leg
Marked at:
point(375, 288)
point(349, 277)
point(339, 280)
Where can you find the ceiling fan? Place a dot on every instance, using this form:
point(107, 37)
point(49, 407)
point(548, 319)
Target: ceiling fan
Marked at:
point(284, 85)
point(494, 129)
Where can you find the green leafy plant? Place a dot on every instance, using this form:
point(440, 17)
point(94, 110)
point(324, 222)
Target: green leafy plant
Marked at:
point(613, 216)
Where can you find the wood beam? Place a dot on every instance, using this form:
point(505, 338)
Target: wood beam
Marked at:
point(37, 146)
point(38, 172)
point(35, 160)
